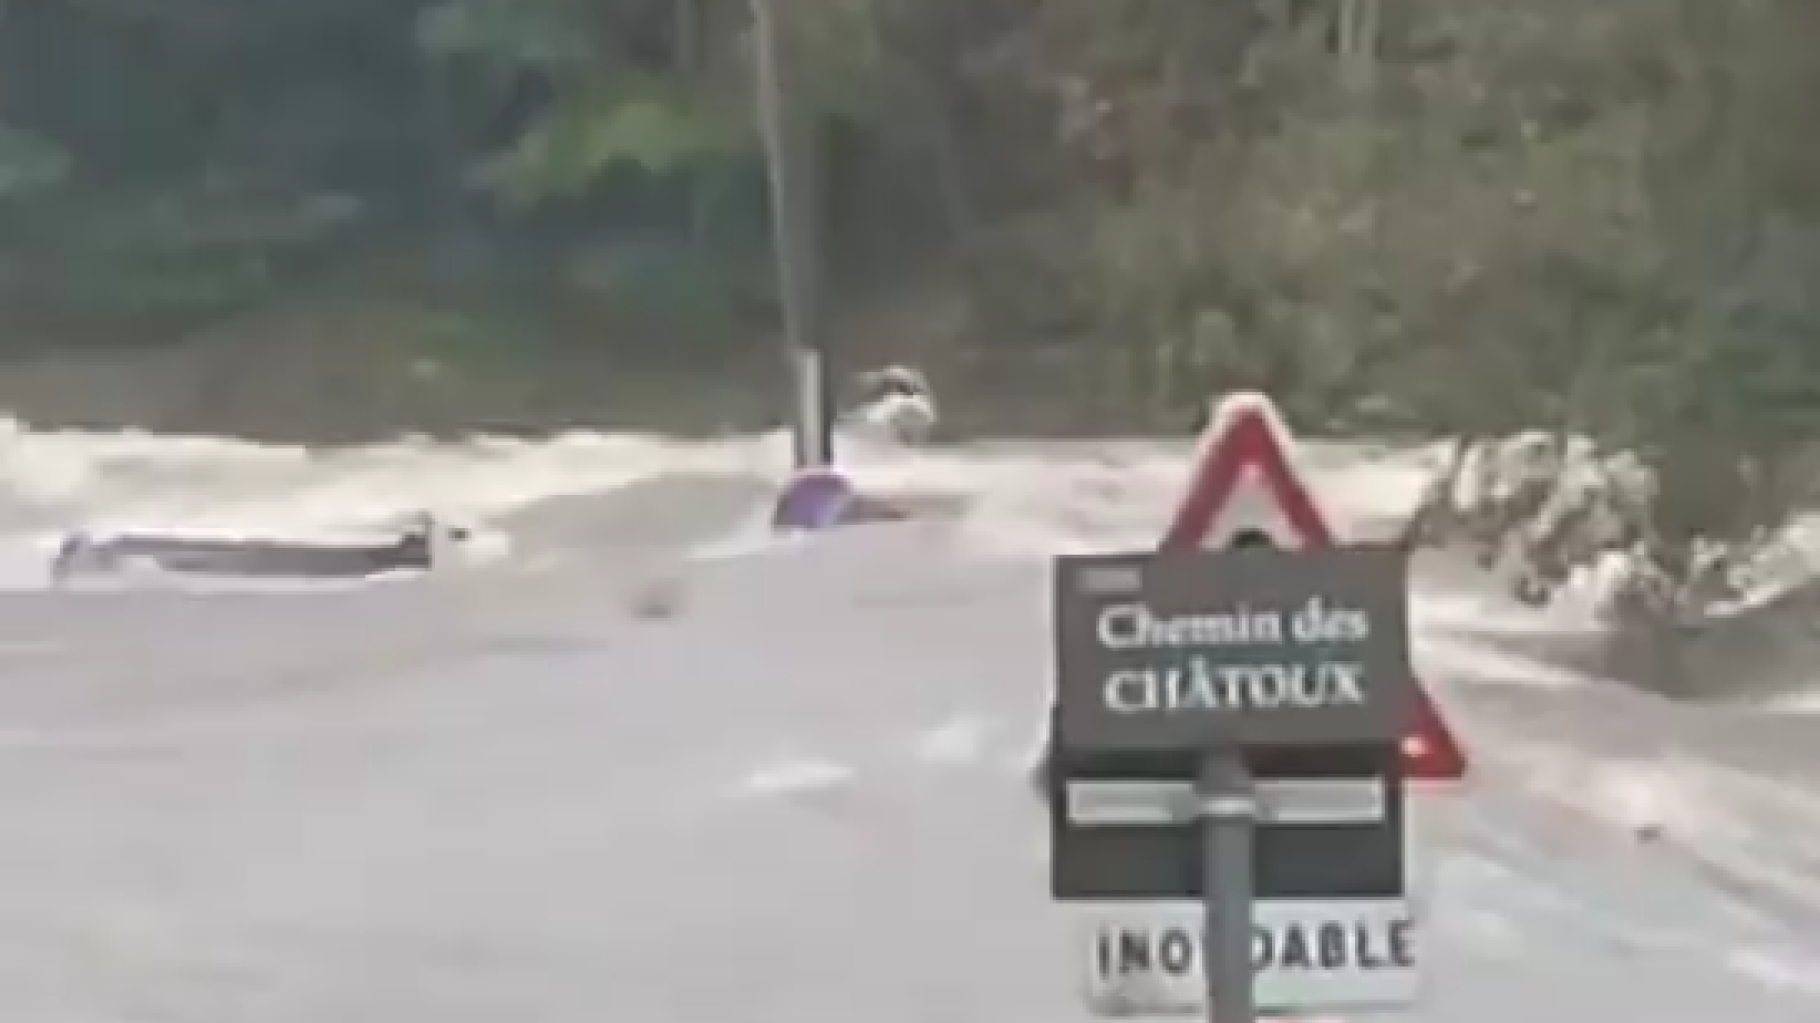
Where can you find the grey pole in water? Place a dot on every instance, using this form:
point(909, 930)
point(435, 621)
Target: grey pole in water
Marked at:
point(1229, 816)
point(1358, 42)
point(795, 239)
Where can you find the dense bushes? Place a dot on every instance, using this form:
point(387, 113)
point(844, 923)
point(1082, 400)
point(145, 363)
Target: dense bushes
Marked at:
point(1611, 210)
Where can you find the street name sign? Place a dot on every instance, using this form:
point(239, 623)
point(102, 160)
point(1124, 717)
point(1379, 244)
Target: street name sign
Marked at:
point(1234, 737)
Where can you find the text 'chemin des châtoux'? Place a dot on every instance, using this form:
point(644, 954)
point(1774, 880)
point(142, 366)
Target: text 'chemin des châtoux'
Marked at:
point(1295, 680)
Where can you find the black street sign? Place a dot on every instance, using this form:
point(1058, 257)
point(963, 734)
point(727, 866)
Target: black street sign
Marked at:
point(1256, 647)
point(1296, 660)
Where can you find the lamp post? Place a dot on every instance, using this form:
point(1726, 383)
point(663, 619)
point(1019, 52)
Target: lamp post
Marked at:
point(795, 237)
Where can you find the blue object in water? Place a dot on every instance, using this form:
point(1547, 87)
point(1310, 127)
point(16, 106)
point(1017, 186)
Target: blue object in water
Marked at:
point(815, 499)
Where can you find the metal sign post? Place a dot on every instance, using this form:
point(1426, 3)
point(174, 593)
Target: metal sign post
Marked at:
point(796, 239)
point(1228, 803)
point(1228, 806)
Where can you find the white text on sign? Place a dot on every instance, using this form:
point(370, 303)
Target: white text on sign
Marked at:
point(1137, 627)
point(1318, 955)
point(1209, 685)
point(1201, 686)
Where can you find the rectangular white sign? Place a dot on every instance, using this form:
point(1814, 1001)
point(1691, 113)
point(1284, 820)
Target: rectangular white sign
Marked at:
point(1280, 801)
point(1145, 959)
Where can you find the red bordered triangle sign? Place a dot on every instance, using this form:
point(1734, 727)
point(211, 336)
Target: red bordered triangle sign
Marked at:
point(1247, 443)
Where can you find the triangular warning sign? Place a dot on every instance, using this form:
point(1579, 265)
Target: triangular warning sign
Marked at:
point(1246, 442)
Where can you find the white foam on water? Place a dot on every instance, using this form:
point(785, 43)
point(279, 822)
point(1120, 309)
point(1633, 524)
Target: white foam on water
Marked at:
point(960, 739)
point(794, 776)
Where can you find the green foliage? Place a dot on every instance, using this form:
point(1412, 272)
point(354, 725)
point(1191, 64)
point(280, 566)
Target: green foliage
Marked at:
point(243, 150)
point(508, 36)
point(28, 165)
point(654, 131)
